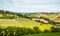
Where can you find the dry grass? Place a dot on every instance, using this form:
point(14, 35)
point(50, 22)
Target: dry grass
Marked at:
point(57, 20)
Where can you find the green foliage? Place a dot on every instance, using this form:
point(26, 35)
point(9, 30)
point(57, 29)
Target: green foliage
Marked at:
point(5, 16)
point(31, 31)
point(16, 31)
point(37, 29)
point(30, 16)
point(52, 22)
point(46, 30)
point(2, 11)
point(53, 29)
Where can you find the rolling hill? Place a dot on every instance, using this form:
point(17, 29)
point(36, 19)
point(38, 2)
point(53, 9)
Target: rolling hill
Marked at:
point(8, 18)
point(18, 22)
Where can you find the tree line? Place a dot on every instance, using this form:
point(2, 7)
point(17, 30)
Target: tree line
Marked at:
point(17, 31)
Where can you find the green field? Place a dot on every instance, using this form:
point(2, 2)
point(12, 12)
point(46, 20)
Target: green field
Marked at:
point(45, 34)
point(18, 22)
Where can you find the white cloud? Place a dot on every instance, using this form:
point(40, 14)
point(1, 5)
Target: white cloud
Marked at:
point(30, 5)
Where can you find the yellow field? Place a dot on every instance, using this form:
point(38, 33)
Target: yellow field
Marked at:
point(41, 27)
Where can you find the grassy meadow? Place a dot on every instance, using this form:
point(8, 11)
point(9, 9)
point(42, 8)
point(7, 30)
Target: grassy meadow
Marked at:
point(45, 34)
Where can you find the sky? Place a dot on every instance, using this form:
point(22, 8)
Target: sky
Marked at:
point(30, 5)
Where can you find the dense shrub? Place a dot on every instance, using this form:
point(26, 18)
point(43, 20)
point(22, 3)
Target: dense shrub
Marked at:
point(55, 29)
point(47, 30)
point(37, 29)
point(1, 31)
point(17, 31)
point(52, 22)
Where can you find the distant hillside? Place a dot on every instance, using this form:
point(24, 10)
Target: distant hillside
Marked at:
point(46, 17)
point(27, 19)
point(51, 16)
point(15, 19)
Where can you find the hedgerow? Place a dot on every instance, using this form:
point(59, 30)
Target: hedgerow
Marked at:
point(17, 31)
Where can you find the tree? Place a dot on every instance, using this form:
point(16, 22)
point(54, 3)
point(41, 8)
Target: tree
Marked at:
point(31, 31)
point(10, 31)
point(37, 29)
point(53, 29)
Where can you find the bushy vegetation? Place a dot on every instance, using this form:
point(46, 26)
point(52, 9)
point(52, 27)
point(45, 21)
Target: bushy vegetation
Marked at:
point(17, 31)
point(7, 14)
point(53, 29)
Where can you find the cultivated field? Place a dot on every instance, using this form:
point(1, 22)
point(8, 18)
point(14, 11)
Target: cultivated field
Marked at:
point(20, 22)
